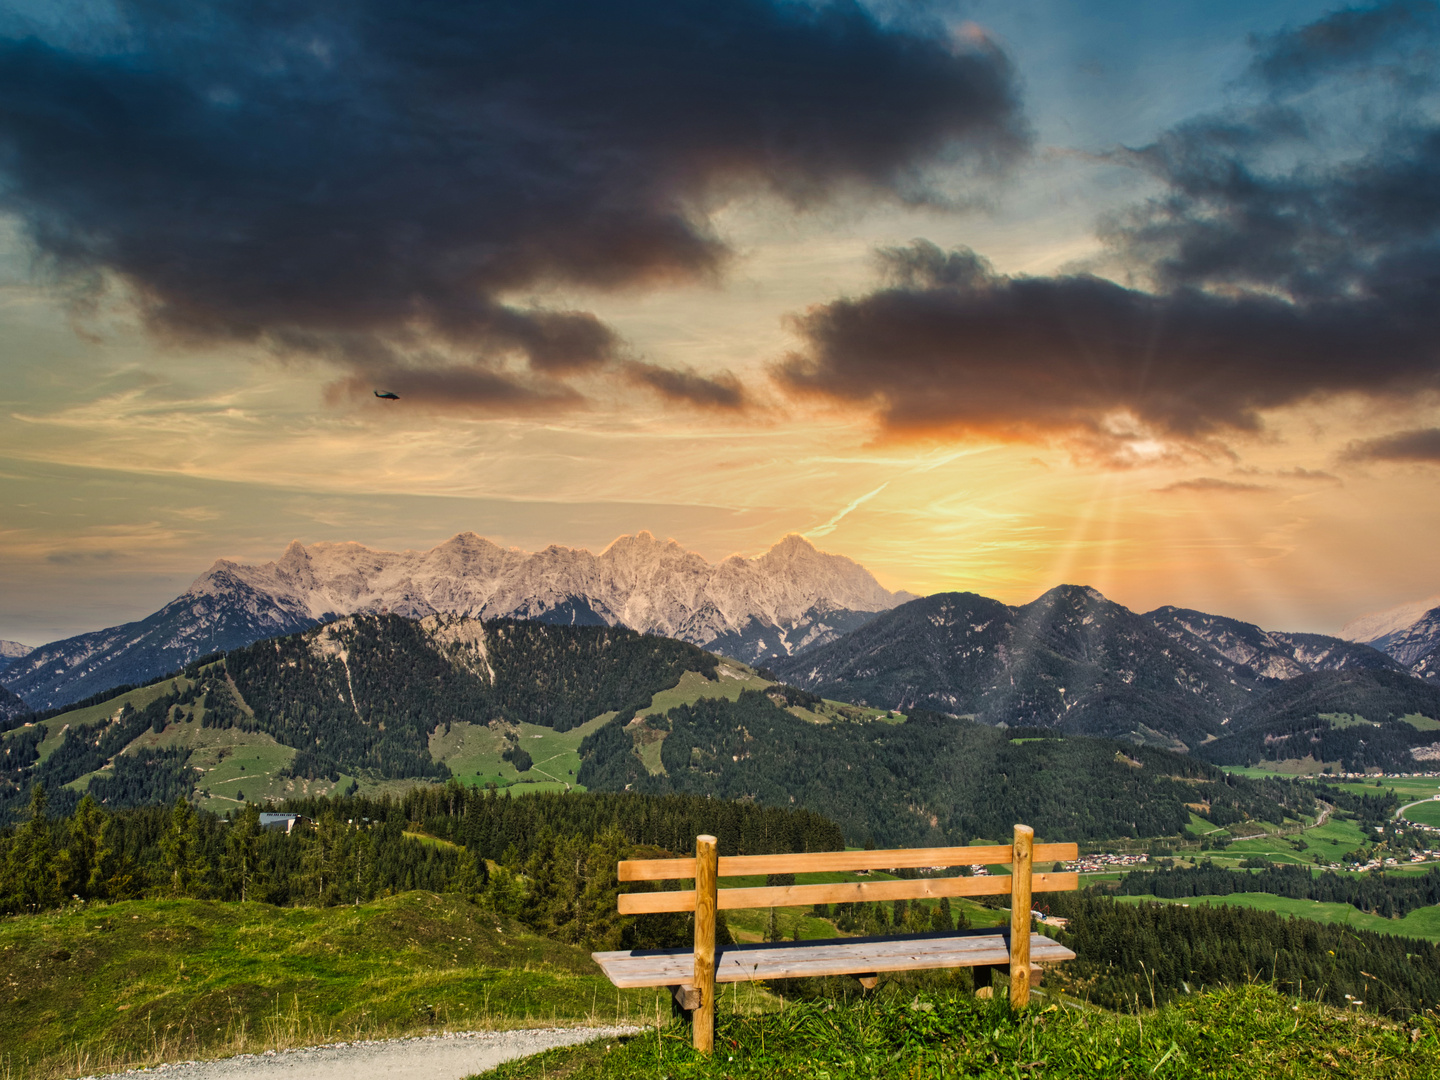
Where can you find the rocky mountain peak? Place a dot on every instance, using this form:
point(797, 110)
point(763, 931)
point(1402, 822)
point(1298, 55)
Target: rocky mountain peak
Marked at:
point(788, 599)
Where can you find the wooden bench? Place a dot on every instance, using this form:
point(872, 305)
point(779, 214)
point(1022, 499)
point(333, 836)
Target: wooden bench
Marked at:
point(692, 974)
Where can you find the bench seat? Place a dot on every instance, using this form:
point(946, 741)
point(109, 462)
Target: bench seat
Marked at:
point(836, 956)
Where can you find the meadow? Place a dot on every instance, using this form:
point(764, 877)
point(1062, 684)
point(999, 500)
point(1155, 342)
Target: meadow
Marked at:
point(100, 987)
point(1235, 1034)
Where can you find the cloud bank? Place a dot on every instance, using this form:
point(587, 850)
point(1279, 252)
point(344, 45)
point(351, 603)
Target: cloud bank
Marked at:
point(373, 183)
point(1293, 254)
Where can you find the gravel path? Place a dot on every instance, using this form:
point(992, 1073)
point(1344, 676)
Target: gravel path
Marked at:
point(437, 1057)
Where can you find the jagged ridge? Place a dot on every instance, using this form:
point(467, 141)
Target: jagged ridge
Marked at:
point(791, 598)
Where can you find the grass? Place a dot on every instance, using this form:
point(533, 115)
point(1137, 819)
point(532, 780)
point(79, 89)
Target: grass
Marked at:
point(1426, 813)
point(1345, 720)
point(234, 762)
point(1407, 787)
point(1424, 923)
point(99, 988)
point(473, 752)
point(1232, 1034)
point(734, 679)
point(1306, 766)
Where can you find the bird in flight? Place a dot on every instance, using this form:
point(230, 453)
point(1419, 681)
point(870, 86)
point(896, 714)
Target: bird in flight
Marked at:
point(387, 395)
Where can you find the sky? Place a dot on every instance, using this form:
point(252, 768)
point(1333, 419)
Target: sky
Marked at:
point(986, 296)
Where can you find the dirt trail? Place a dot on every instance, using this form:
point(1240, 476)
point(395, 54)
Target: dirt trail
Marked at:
point(437, 1057)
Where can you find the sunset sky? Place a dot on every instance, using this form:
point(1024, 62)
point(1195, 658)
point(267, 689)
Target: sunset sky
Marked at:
point(987, 296)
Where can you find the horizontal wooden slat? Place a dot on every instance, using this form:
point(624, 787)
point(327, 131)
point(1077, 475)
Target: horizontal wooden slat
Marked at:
point(819, 862)
point(842, 892)
point(843, 956)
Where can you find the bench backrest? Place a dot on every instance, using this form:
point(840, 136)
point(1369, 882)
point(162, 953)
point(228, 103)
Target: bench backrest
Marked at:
point(846, 892)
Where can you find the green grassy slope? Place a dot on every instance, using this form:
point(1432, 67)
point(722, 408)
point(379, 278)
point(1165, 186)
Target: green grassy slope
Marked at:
point(1230, 1035)
point(136, 699)
point(87, 990)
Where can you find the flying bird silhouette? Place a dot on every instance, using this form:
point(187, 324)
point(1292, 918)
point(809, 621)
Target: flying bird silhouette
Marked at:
point(387, 395)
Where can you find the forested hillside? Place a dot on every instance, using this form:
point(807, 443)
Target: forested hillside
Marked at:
point(1359, 718)
point(366, 692)
point(1076, 663)
point(1070, 660)
point(360, 696)
point(931, 780)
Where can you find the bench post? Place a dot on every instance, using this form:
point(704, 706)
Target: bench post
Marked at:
point(707, 863)
point(1020, 868)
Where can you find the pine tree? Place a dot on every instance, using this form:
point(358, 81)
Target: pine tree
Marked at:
point(323, 860)
point(113, 875)
point(240, 867)
point(183, 861)
point(942, 917)
point(30, 867)
point(77, 861)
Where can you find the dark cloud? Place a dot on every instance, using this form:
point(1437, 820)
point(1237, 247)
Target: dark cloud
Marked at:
point(724, 391)
point(1348, 38)
point(1422, 444)
point(1277, 267)
point(1210, 484)
point(954, 346)
point(361, 178)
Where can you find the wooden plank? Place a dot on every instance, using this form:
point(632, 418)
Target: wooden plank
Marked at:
point(1020, 877)
point(702, 1028)
point(833, 956)
point(843, 892)
point(843, 956)
point(686, 997)
point(817, 862)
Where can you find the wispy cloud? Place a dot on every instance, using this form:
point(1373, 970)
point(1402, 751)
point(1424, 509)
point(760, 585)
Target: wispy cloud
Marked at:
point(829, 526)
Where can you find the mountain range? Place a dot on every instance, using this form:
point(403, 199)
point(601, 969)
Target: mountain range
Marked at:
point(381, 699)
point(1075, 662)
point(787, 600)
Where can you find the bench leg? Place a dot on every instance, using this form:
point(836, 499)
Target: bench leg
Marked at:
point(707, 863)
point(869, 982)
point(1021, 862)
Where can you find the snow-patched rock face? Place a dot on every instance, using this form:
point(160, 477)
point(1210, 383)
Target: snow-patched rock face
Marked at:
point(1377, 627)
point(1410, 633)
point(10, 651)
point(788, 599)
point(647, 584)
point(1245, 652)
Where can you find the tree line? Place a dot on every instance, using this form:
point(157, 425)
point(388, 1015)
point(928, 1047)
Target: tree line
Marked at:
point(547, 860)
point(1386, 895)
point(1133, 956)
